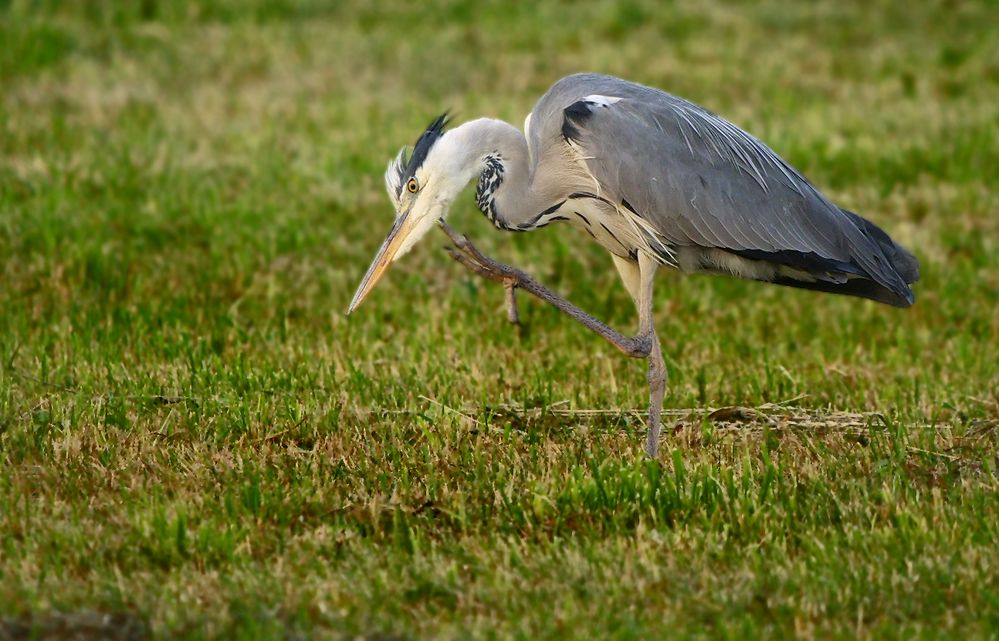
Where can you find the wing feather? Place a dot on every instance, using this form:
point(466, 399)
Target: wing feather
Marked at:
point(699, 180)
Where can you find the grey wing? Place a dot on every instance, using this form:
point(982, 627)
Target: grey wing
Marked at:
point(700, 181)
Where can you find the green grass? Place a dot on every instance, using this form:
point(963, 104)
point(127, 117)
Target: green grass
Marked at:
point(196, 440)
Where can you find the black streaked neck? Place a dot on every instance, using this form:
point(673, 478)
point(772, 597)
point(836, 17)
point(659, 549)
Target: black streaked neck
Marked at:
point(504, 192)
point(490, 181)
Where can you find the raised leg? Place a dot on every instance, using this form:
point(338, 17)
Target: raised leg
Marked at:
point(638, 279)
point(467, 254)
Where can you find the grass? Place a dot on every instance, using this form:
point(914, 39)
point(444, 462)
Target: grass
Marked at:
point(196, 443)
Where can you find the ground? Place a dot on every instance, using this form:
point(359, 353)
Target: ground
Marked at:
point(196, 442)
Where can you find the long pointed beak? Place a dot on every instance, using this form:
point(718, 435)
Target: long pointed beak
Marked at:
point(388, 250)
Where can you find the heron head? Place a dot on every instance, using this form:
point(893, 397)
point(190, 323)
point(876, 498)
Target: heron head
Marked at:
point(422, 188)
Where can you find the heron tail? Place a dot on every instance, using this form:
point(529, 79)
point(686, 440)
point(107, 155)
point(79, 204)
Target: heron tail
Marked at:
point(885, 287)
point(890, 285)
point(901, 259)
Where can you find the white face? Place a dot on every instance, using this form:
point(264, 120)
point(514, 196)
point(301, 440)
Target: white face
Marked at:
point(420, 202)
point(419, 205)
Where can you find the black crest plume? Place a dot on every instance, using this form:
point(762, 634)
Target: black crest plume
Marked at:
point(402, 168)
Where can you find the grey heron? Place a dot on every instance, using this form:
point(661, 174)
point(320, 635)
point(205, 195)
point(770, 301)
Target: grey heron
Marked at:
point(658, 181)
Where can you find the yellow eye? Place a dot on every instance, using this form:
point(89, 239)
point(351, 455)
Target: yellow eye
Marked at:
point(412, 186)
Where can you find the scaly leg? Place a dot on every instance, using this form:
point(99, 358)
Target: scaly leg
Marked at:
point(638, 280)
point(467, 254)
point(658, 376)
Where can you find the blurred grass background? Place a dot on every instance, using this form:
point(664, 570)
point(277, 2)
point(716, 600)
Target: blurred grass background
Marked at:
point(195, 438)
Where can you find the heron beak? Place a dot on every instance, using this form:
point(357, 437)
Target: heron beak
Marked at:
point(400, 230)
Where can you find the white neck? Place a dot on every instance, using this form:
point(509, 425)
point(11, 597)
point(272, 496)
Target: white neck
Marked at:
point(496, 152)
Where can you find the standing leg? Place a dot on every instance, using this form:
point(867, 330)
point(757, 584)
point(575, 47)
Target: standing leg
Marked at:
point(631, 277)
point(638, 280)
point(647, 267)
point(658, 376)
